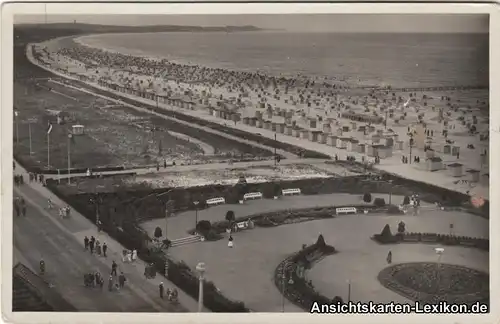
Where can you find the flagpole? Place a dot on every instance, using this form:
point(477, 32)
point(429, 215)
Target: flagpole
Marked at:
point(48, 150)
point(29, 131)
point(69, 158)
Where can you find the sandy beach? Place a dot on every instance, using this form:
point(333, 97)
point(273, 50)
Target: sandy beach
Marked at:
point(450, 117)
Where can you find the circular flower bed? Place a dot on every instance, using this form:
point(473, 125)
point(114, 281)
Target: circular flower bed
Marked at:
point(432, 282)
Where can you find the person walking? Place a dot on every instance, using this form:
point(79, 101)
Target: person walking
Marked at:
point(24, 210)
point(86, 242)
point(121, 280)
point(110, 283)
point(114, 266)
point(389, 257)
point(98, 247)
point(17, 208)
point(162, 289)
point(91, 246)
point(104, 249)
point(134, 255)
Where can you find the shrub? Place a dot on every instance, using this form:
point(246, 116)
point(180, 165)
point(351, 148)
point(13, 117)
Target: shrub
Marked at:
point(393, 210)
point(203, 226)
point(321, 241)
point(406, 200)
point(158, 233)
point(379, 202)
point(386, 232)
point(230, 217)
point(367, 197)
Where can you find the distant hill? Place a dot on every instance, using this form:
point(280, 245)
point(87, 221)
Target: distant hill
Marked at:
point(39, 32)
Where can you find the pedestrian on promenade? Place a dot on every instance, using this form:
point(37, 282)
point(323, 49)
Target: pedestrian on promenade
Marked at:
point(86, 242)
point(104, 249)
point(121, 280)
point(110, 283)
point(91, 246)
point(134, 255)
point(162, 289)
point(17, 208)
point(98, 247)
point(389, 257)
point(164, 164)
point(113, 268)
point(24, 210)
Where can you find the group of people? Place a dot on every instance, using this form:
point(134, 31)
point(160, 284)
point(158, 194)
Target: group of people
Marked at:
point(129, 256)
point(20, 206)
point(92, 245)
point(18, 179)
point(172, 294)
point(35, 177)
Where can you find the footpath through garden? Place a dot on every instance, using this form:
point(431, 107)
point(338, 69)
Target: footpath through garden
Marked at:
point(59, 244)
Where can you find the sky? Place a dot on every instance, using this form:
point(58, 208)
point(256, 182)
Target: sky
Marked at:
point(407, 23)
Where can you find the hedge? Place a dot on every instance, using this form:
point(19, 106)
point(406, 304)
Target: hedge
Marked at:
point(300, 292)
point(386, 237)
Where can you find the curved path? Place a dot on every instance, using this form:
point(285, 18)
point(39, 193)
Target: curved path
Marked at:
point(246, 272)
point(207, 149)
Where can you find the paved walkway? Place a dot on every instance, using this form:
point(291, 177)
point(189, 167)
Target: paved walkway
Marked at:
point(259, 251)
point(60, 242)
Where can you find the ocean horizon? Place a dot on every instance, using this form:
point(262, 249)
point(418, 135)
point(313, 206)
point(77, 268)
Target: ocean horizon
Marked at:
point(397, 59)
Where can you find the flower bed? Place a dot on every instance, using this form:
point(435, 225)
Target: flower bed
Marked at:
point(429, 282)
point(287, 216)
point(385, 237)
point(298, 290)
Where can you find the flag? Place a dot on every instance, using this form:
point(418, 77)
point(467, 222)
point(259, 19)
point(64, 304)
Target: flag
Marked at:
point(49, 129)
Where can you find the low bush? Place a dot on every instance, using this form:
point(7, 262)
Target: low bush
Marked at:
point(367, 197)
point(379, 202)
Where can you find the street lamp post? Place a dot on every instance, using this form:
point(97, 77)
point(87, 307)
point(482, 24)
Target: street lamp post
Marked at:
point(390, 191)
point(196, 213)
point(16, 117)
point(411, 144)
point(29, 132)
point(275, 156)
point(348, 290)
point(284, 282)
point(200, 267)
point(439, 252)
point(69, 157)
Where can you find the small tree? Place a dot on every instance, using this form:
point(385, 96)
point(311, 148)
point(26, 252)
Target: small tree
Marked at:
point(386, 232)
point(321, 240)
point(203, 226)
point(379, 202)
point(230, 217)
point(406, 200)
point(367, 197)
point(337, 300)
point(158, 232)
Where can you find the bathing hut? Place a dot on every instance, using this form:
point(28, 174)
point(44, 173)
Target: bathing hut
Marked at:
point(267, 124)
point(342, 142)
point(332, 140)
point(296, 132)
point(353, 145)
point(429, 153)
point(361, 148)
point(474, 175)
point(313, 135)
point(289, 130)
point(312, 123)
point(260, 123)
point(273, 126)
point(78, 130)
point(253, 121)
point(455, 169)
point(434, 164)
point(322, 138)
point(446, 149)
point(280, 128)
point(455, 150)
point(258, 114)
point(246, 120)
point(399, 145)
point(304, 134)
